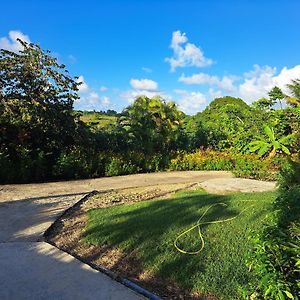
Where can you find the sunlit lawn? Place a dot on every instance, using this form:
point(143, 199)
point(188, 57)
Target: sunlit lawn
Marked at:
point(150, 227)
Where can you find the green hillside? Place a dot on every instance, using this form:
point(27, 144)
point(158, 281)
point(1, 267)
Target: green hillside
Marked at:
point(98, 119)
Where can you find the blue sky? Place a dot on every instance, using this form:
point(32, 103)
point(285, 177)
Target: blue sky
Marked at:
point(188, 51)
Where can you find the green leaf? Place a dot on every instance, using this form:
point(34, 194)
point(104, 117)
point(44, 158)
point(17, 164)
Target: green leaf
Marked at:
point(285, 150)
point(269, 132)
point(277, 145)
point(289, 295)
point(253, 148)
point(264, 149)
point(280, 295)
point(288, 139)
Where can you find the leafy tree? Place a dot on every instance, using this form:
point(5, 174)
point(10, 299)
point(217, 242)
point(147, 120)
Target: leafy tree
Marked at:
point(230, 122)
point(111, 112)
point(263, 104)
point(36, 99)
point(152, 125)
point(195, 133)
point(269, 144)
point(218, 103)
point(275, 95)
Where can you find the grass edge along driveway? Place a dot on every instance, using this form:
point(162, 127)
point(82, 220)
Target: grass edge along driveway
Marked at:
point(148, 229)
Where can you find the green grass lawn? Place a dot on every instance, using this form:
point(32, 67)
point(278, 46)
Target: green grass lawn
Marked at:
point(151, 227)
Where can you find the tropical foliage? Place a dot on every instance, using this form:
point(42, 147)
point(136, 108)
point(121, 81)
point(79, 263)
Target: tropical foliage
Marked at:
point(269, 144)
point(276, 251)
point(151, 125)
point(42, 137)
point(242, 165)
point(294, 99)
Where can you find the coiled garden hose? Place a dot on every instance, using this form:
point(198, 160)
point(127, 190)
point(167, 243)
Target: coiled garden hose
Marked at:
point(199, 223)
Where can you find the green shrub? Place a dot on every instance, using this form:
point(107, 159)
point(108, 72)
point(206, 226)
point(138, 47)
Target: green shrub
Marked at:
point(251, 166)
point(276, 262)
point(202, 160)
point(276, 251)
point(7, 169)
point(99, 163)
point(139, 162)
point(242, 165)
point(155, 163)
point(73, 164)
point(24, 167)
point(117, 166)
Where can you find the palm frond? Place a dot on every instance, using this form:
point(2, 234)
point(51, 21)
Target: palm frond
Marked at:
point(270, 133)
point(264, 150)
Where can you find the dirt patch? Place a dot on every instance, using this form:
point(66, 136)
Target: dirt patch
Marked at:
point(67, 234)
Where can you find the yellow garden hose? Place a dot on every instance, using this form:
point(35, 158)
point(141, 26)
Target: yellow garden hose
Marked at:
point(199, 223)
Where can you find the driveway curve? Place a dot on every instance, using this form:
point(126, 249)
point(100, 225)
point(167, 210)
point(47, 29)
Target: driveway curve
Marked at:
point(33, 269)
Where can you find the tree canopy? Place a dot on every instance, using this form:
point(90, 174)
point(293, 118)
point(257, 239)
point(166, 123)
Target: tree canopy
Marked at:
point(36, 100)
point(151, 124)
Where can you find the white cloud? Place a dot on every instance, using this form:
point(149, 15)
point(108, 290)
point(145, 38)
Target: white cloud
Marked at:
point(259, 81)
point(10, 43)
point(253, 85)
point(286, 76)
point(88, 101)
point(92, 101)
point(186, 54)
point(144, 84)
point(105, 101)
point(213, 94)
point(131, 95)
point(147, 70)
point(83, 87)
point(89, 98)
point(103, 89)
point(225, 83)
point(190, 102)
point(144, 87)
point(93, 97)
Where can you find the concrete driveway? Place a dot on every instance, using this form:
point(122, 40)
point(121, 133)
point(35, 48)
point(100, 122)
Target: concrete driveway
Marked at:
point(32, 269)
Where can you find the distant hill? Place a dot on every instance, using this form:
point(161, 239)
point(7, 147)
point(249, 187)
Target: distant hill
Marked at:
point(98, 119)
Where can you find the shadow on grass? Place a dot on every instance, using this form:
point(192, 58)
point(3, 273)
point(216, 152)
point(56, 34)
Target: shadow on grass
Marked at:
point(148, 230)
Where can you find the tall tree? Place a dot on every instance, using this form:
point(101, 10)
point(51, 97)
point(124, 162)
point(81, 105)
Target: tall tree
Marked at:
point(36, 99)
point(152, 125)
point(276, 94)
point(230, 122)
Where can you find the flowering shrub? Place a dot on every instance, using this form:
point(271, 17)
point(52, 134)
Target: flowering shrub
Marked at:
point(242, 165)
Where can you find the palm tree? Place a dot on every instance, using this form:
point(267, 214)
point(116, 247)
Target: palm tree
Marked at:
point(294, 87)
point(151, 123)
point(269, 143)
